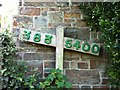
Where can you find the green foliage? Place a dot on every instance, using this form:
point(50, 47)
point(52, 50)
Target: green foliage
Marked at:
point(105, 17)
point(55, 81)
point(14, 73)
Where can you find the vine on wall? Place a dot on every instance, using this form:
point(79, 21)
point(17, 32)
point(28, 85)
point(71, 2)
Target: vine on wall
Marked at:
point(105, 17)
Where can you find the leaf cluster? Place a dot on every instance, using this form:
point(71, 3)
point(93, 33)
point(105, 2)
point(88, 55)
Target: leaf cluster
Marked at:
point(105, 17)
point(55, 81)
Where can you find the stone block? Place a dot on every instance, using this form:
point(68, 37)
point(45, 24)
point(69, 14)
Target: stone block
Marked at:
point(30, 11)
point(70, 32)
point(40, 21)
point(24, 21)
point(16, 32)
point(77, 33)
point(65, 9)
point(55, 18)
point(80, 23)
point(83, 76)
point(83, 33)
point(43, 11)
point(40, 4)
point(71, 15)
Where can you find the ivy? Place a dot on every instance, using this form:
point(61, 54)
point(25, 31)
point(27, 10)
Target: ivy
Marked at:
point(55, 81)
point(16, 75)
point(105, 17)
point(14, 72)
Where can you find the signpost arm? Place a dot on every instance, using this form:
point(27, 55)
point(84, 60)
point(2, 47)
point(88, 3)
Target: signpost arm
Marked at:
point(59, 47)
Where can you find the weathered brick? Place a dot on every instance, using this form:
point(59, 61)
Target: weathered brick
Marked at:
point(71, 55)
point(30, 11)
point(83, 76)
point(86, 88)
point(48, 64)
point(65, 64)
point(71, 15)
point(24, 21)
point(74, 65)
point(40, 21)
point(97, 64)
point(39, 56)
point(82, 65)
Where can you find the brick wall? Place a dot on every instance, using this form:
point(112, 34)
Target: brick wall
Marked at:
point(83, 70)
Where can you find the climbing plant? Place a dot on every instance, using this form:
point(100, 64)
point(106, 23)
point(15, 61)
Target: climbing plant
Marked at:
point(105, 17)
point(14, 72)
point(16, 75)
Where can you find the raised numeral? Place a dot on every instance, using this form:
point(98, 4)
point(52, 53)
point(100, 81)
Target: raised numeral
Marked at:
point(26, 34)
point(77, 44)
point(48, 39)
point(68, 43)
point(37, 37)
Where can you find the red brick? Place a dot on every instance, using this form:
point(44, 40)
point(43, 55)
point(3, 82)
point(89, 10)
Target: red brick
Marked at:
point(82, 65)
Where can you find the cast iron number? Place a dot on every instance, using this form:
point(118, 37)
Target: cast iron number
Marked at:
point(48, 39)
point(26, 34)
point(37, 37)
